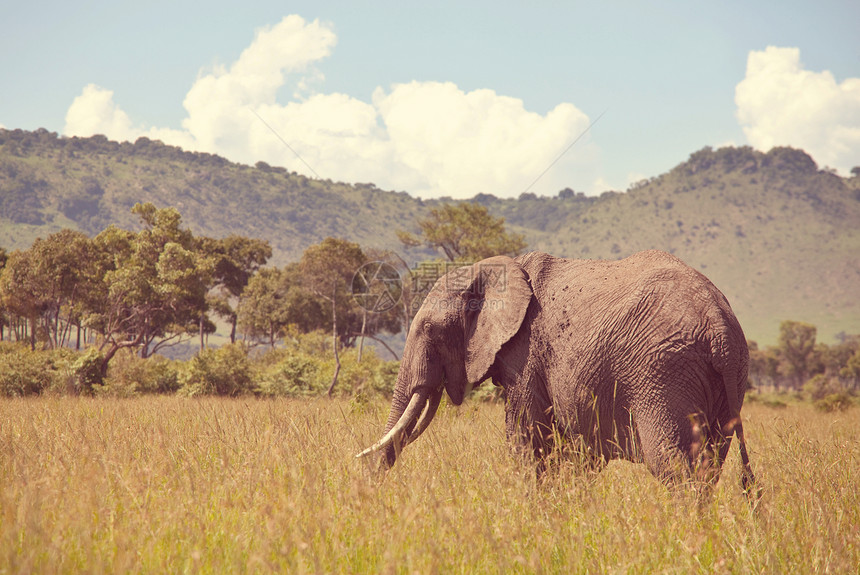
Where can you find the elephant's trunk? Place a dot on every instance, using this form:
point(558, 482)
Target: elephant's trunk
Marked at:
point(394, 439)
point(411, 414)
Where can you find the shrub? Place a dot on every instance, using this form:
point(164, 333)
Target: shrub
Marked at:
point(87, 369)
point(222, 371)
point(129, 374)
point(163, 376)
point(301, 371)
point(766, 400)
point(25, 372)
point(487, 392)
point(820, 386)
point(294, 374)
point(371, 376)
point(834, 402)
point(63, 371)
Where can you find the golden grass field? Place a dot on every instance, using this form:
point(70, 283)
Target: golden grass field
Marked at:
point(174, 485)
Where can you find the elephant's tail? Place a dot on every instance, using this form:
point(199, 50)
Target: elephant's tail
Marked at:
point(732, 364)
point(747, 476)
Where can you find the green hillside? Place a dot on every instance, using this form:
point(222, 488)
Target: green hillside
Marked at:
point(48, 183)
point(779, 236)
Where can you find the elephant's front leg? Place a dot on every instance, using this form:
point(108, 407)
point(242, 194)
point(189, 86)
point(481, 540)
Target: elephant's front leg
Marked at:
point(528, 423)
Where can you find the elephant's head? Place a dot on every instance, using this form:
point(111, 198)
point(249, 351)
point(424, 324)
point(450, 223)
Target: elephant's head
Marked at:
point(464, 321)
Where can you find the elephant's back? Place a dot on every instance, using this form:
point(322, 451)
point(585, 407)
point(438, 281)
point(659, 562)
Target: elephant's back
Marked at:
point(603, 284)
point(648, 309)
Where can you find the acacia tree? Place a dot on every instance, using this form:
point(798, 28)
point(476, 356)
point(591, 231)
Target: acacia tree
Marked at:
point(465, 232)
point(46, 284)
point(796, 347)
point(154, 286)
point(236, 260)
point(275, 299)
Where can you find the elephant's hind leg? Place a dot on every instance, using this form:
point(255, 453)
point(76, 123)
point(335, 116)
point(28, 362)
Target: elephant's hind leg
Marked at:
point(709, 450)
point(666, 444)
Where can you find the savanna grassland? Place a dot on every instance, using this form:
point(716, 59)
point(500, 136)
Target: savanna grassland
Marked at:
point(171, 485)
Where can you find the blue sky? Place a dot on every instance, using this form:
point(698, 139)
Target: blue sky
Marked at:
point(448, 98)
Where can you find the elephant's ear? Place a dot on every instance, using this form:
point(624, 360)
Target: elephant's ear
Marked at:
point(495, 308)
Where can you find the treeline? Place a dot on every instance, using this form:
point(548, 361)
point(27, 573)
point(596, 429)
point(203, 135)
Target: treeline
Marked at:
point(829, 375)
point(148, 290)
point(85, 315)
point(89, 315)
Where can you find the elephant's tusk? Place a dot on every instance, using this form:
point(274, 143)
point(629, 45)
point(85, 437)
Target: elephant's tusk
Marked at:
point(426, 416)
point(413, 410)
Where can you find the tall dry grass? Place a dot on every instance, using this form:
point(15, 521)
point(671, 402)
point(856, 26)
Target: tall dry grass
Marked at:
point(172, 485)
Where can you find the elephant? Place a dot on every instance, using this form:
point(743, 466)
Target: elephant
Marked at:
point(640, 359)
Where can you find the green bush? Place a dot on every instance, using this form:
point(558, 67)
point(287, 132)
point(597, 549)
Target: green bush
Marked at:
point(129, 374)
point(821, 386)
point(834, 402)
point(371, 376)
point(306, 369)
point(293, 375)
point(222, 371)
point(163, 376)
point(25, 372)
point(87, 369)
point(487, 392)
point(766, 400)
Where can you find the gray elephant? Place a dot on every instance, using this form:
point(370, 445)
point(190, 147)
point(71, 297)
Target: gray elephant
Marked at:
point(641, 359)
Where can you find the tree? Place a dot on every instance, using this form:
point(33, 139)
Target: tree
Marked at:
point(383, 295)
point(275, 299)
point(328, 270)
point(154, 284)
point(45, 285)
point(236, 259)
point(465, 232)
point(796, 346)
point(3, 318)
point(20, 294)
point(763, 366)
point(851, 370)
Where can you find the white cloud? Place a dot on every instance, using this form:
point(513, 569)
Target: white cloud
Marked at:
point(460, 144)
point(94, 112)
point(779, 103)
point(428, 138)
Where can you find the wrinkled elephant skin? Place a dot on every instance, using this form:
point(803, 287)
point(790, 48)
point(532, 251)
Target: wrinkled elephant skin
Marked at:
point(641, 359)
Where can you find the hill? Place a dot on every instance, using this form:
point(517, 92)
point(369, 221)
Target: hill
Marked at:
point(48, 183)
point(780, 237)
